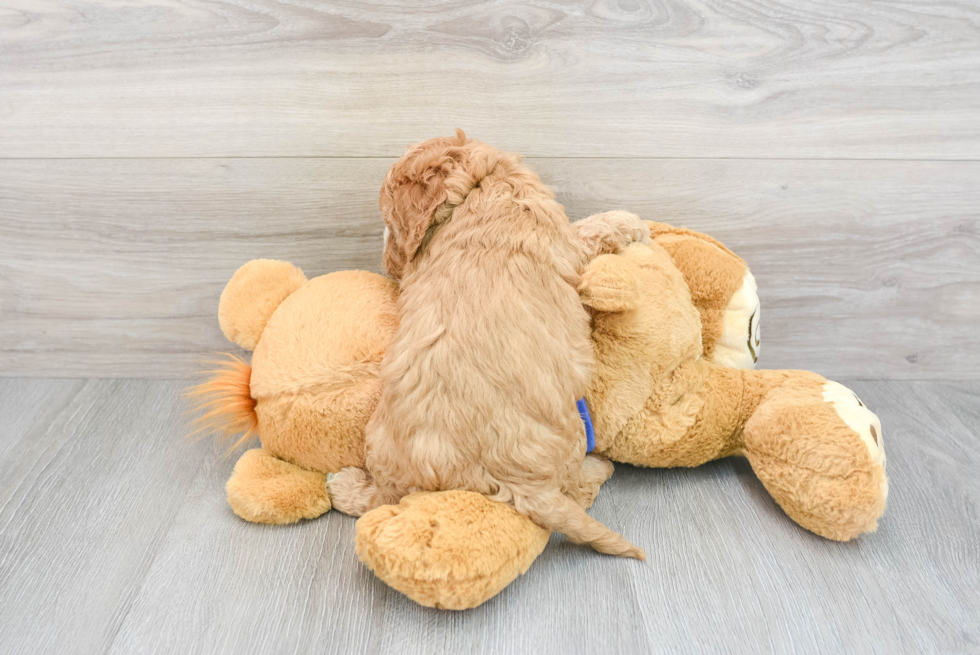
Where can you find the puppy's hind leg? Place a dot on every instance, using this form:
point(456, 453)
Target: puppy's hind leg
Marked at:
point(595, 471)
point(352, 490)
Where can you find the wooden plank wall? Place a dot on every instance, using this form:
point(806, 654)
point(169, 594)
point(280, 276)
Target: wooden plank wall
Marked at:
point(149, 147)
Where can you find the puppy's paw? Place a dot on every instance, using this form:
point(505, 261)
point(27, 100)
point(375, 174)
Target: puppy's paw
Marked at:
point(351, 490)
point(609, 284)
point(611, 232)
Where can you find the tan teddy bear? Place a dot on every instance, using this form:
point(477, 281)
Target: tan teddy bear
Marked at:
point(672, 321)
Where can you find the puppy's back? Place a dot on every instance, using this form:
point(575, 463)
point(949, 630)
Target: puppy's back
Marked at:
point(481, 380)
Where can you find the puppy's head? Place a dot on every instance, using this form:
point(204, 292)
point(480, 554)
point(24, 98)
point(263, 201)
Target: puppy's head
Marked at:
point(424, 186)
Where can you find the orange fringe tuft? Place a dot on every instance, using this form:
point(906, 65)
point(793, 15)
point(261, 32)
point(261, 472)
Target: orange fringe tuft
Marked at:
point(225, 399)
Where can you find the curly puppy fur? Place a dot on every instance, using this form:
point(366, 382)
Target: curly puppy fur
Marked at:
point(480, 382)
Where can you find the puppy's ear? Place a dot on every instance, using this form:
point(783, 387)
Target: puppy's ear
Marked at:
point(422, 189)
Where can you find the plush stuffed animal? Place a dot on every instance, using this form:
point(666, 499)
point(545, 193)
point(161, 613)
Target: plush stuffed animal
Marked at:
point(675, 326)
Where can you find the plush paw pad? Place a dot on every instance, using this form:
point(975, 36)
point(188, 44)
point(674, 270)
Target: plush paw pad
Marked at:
point(860, 419)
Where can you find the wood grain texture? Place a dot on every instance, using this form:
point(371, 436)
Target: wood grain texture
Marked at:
point(85, 497)
point(114, 267)
point(117, 539)
point(674, 78)
point(33, 400)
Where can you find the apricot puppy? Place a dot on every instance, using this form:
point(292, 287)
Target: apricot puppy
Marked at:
point(480, 382)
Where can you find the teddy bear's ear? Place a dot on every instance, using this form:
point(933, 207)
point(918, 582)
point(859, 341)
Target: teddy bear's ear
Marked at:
point(422, 188)
point(252, 295)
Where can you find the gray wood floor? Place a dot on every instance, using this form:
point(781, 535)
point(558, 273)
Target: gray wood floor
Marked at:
point(115, 537)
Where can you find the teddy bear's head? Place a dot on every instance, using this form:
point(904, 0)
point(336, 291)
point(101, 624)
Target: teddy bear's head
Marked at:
point(660, 308)
point(723, 290)
point(317, 348)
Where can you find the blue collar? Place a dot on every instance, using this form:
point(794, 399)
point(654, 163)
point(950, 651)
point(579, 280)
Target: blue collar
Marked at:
point(583, 411)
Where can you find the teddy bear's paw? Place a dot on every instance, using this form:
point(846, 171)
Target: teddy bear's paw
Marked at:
point(448, 549)
point(818, 450)
point(862, 420)
point(265, 489)
point(741, 340)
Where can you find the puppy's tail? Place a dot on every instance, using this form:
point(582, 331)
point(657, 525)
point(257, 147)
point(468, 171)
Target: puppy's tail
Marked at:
point(556, 511)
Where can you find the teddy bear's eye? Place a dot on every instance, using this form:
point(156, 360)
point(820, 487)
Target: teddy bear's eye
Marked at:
point(753, 343)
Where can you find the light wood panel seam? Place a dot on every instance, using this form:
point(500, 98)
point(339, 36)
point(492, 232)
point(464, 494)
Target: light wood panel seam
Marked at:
point(535, 157)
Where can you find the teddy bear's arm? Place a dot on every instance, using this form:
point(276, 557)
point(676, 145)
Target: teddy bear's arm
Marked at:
point(610, 284)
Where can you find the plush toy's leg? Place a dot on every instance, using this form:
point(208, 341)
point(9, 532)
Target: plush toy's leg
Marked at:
point(448, 549)
point(819, 452)
point(265, 489)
